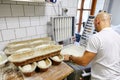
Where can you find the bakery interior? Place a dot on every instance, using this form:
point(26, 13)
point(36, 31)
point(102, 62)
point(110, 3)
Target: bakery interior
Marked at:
point(35, 34)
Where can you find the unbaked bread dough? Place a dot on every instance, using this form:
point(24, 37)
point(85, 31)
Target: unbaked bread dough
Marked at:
point(42, 46)
point(23, 50)
point(27, 67)
point(56, 58)
point(73, 50)
point(42, 64)
point(45, 50)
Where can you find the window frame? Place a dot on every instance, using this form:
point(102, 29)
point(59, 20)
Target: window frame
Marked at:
point(92, 11)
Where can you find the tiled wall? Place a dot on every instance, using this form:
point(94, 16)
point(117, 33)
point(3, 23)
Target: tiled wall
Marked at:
point(25, 20)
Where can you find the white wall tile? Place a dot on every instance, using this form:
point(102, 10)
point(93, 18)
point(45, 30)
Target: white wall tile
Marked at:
point(48, 18)
point(64, 3)
point(0, 36)
point(54, 11)
point(71, 12)
point(25, 3)
point(33, 17)
point(43, 20)
point(26, 38)
point(2, 23)
point(48, 10)
point(36, 36)
point(12, 22)
point(20, 33)
point(17, 10)
point(44, 29)
point(44, 35)
point(5, 10)
point(3, 45)
point(33, 3)
point(48, 4)
point(35, 21)
point(43, 3)
point(9, 2)
point(31, 31)
point(41, 29)
point(16, 40)
point(8, 34)
point(29, 10)
point(24, 21)
point(75, 4)
point(71, 2)
point(39, 10)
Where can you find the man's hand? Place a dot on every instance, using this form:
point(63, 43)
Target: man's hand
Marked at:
point(73, 38)
point(66, 57)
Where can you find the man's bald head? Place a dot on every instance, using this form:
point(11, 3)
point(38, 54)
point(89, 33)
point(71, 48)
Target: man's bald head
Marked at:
point(103, 16)
point(102, 20)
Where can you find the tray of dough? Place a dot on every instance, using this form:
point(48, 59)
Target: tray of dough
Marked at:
point(74, 50)
point(39, 53)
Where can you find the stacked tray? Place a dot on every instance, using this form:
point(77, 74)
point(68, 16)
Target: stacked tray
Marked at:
point(35, 55)
point(28, 42)
point(88, 31)
point(30, 55)
point(11, 48)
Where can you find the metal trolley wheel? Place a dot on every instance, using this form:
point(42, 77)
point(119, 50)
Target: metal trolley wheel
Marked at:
point(86, 73)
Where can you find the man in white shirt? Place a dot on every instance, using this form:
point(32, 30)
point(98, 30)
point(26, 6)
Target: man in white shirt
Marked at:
point(103, 51)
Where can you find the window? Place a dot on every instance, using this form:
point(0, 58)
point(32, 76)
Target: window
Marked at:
point(86, 8)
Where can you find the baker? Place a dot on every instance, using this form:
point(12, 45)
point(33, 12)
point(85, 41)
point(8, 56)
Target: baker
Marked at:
point(103, 51)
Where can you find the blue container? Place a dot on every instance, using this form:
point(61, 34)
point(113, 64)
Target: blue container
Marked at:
point(53, 1)
point(77, 36)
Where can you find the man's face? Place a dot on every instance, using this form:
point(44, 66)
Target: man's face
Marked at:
point(96, 24)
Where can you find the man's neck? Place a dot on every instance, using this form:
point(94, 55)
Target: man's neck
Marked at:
point(105, 25)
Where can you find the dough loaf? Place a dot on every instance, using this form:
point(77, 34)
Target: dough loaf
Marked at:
point(27, 67)
point(56, 58)
point(73, 50)
point(42, 64)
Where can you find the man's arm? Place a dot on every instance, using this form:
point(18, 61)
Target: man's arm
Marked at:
point(91, 51)
point(84, 60)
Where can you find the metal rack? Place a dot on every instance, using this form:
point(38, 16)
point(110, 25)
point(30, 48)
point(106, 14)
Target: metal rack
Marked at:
point(62, 28)
point(88, 31)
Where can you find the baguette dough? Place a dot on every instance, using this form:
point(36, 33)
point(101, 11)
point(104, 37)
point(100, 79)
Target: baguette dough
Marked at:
point(23, 50)
point(44, 50)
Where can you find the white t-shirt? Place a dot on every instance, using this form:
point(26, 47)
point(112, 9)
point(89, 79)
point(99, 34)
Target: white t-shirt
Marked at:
point(106, 64)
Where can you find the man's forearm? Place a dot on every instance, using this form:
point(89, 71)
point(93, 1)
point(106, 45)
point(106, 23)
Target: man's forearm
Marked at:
point(78, 60)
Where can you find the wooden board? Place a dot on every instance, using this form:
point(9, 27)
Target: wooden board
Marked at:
point(57, 72)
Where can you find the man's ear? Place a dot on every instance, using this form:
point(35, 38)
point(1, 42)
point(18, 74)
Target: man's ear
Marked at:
point(97, 21)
